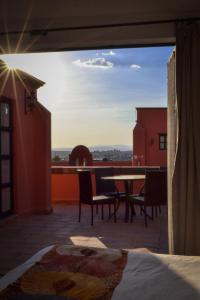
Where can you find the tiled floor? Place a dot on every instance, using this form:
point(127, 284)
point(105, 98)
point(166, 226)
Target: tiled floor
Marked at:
point(23, 237)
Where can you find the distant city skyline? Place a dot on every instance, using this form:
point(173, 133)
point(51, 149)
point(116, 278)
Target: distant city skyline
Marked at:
point(92, 95)
point(98, 148)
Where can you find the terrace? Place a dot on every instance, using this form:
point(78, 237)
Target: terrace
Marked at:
point(37, 192)
point(105, 25)
point(24, 236)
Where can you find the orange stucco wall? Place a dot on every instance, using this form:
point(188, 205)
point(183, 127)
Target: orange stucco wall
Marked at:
point(65, 186)
point(150, 122)
point(31, 153)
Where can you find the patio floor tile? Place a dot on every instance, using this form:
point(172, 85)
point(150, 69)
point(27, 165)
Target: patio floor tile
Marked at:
point(24, 236)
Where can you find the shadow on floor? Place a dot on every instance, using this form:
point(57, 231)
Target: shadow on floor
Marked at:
point(25, 236)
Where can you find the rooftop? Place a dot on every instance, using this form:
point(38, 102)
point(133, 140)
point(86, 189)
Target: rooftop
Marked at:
point(24, 236)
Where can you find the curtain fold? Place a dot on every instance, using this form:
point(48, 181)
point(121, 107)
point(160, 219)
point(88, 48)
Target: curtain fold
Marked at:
point(185, 201)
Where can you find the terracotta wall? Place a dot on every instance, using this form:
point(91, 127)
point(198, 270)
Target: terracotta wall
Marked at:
point(98, 163)
point(150, 122)
point(65, 186)
point(31, 153)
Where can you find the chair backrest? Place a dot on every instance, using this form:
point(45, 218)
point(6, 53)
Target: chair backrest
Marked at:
point(155, 187)
point(104, 186)
point(85, 186)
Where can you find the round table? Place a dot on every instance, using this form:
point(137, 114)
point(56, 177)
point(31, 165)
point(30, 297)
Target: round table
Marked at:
point(128, 181)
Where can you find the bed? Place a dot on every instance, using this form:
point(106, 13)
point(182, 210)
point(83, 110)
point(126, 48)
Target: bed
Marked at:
point(66, 272)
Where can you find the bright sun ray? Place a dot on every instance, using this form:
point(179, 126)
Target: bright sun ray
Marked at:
point(33, 41)
point(20, 79)
point(7, 71)
point(4, 75)
point(2, 50)
point(23, 160)
point(24, 33)
point(7, 38)
point(24, 27)
point(14, 85)
point(21, 36)
point(12, 61)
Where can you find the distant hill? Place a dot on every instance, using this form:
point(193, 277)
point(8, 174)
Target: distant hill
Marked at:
point(100, 148)
point(110, 147)
point(99, 152)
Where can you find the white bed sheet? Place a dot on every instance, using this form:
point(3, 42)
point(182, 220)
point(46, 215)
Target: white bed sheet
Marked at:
point(150, 276)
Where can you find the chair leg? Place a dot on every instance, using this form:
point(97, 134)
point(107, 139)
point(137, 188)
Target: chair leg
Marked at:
point(141, 210)
point(102, 212)
point(97, 209)
point(125, 212)
point(79, 217)
point(132, 213)
point(159, 207)
point(145, 216)
point(156, 210)
point(92, 215)
point(152, 212)
point(109, 208)
point(115, 208)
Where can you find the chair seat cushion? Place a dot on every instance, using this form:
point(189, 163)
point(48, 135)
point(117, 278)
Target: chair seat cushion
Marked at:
point(103, 198)
point(116, 194)
point(136, 198)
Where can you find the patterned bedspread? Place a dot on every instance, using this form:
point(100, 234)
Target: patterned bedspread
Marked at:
point(79, 273)
point(70, 273)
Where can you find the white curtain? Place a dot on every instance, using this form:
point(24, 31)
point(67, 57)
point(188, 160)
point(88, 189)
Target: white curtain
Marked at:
point(184, 205)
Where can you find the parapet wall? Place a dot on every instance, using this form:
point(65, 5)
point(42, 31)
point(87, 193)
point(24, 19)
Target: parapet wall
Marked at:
point(65, 186)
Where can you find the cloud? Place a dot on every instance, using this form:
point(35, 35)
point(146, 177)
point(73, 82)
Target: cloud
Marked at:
point(135, 66)
point(110, 53)
point(99, 62)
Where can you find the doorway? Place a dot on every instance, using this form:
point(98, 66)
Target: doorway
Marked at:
point(6, 158)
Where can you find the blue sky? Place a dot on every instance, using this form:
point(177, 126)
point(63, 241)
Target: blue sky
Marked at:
point(92, 95)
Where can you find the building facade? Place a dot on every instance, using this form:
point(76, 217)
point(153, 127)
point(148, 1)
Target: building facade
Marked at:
point(150, 137)
point(25, 145)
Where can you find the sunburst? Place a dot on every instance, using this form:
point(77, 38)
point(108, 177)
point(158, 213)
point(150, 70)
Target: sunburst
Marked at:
point(4, 74)
point(28, 15)
point(7, 72)
point(23, 44)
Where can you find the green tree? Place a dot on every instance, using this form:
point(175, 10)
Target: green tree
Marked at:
point(105, 159)
point(56, 158)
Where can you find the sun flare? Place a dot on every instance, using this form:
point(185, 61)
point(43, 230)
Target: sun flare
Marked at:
point(11, 61)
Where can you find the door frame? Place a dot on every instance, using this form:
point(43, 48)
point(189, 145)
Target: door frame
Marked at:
point(9, 157)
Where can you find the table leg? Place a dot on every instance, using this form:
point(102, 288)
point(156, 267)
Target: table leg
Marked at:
point(128, 190)
point(126, 185)
point(115, 209)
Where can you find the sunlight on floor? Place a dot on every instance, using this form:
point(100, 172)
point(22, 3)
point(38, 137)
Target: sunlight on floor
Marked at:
point(87, 241)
